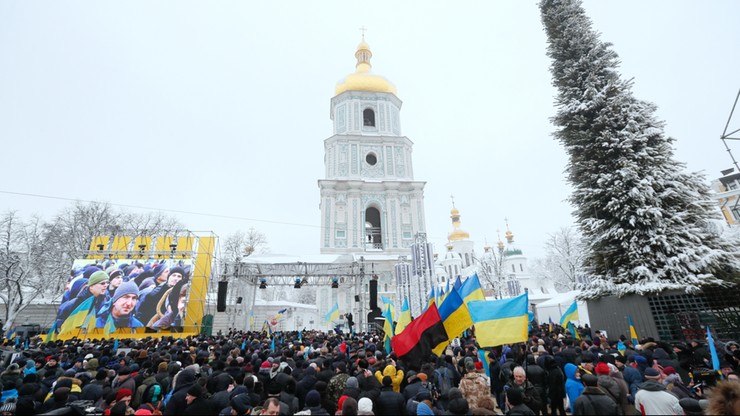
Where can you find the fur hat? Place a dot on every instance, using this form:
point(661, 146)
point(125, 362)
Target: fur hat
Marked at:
point(97, 277)
point(128, 288)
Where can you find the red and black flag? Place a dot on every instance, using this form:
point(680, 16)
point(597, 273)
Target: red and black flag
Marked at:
point(415, 343)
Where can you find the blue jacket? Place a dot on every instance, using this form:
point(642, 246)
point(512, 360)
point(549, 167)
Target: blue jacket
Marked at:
point(573, 386)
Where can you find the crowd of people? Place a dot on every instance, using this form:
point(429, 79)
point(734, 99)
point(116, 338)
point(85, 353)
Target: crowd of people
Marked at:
point(317, 373)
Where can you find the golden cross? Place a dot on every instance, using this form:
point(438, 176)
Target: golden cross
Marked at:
point(363, 29)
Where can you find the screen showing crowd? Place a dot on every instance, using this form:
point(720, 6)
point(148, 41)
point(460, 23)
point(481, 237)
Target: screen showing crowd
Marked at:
point(124, 294)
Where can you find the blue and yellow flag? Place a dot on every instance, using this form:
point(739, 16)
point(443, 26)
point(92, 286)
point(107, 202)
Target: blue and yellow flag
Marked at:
point(389, 303)
point(333, 314)
point(78, 317)
point(431, 298)
point(471, 289)
point(279, 314)
point(573, 331)
point(388, 329)
point(633, 332)
point(455, 318)
point(571, 314)
point(483, 357)
point(712, 350)
point(549, 322)
point(404, 318)
point(110, 326)
point(499, 322)
point(458, 283)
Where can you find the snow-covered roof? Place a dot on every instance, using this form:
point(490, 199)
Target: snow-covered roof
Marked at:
point(565, 298)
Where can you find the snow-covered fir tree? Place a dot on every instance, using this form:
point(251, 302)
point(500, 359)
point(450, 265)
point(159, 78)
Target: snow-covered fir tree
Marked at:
point(645, 220)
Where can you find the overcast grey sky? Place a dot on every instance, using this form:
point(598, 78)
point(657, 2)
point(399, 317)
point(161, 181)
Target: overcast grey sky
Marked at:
point(222, 107)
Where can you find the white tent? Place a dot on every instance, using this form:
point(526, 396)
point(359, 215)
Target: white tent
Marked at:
point(555, 307)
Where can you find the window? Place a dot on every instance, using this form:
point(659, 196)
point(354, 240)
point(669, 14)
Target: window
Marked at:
point(371, 159)
point(340, 234)
point(521, 267)
point(513, 268)
point(368, 117)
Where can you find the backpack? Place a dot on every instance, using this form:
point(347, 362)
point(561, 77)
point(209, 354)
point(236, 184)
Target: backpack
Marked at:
point(506, 374)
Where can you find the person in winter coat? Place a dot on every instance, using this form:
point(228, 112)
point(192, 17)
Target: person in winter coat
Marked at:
point(197, 403)
point(653, 399)
point(593, 400)
point(390, 401)
point(531, 397)
point(556, 385)
point(610, 386)
point(182, 382)
point(395, 375)
point(537, 376)
point(573, 386)
point(313, 404)
point(631, 376)
point(515, 404)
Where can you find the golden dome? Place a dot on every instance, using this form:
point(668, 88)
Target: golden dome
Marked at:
point(457, 234)
point(363, 79)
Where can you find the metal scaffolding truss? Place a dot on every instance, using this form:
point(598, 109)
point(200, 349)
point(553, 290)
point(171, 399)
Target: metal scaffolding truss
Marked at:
point(316, 274)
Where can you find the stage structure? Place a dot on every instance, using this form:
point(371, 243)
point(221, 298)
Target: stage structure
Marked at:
point(179, 264)
point(246, 277)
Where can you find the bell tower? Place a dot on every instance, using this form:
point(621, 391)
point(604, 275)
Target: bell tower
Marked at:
point(370, 202)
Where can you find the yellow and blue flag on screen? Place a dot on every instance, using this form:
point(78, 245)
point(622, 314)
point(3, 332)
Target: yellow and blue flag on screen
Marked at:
point(280, 314)
point(633, 332)
point(388, 329)
point(571, 314)
point(78, 317)
point(455, 318)
point(333, 314)
point(471, 289)
point(499, 322)
point(404, 318)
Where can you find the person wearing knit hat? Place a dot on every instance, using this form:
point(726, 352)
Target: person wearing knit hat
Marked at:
point(81, 306)
point(120, 312)
point(116, 278)
point(150, 298)
point(602, 369)
point(365, 406)
point(652, 398)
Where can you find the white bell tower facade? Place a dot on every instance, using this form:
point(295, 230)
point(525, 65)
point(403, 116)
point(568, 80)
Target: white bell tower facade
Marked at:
point(370, 202)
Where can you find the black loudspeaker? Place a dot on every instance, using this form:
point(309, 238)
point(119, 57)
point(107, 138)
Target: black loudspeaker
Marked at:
point(221, 302)
point(373, 294)
point(239, 300)
point(357, 298)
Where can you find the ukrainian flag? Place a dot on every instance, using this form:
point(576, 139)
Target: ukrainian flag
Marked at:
point(389, 303)
point(633, 333)
point(431, 297)
point(499, 322)
point(333, 314)
point(458, 283)
point(405, 317)
point(471, 289)
point(571, 314)
point(78, 317)
point(573, 330)
point(455, 318)
point(388, 329)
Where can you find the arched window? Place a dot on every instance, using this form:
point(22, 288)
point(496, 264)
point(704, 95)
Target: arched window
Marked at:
point(368, 117)
point(373, 234)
